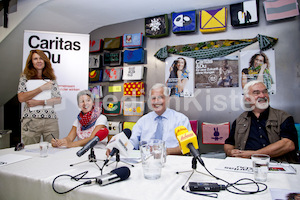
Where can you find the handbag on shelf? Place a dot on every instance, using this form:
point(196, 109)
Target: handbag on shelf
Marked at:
point(112, 58)
point(184, 22)
point(128, 125)
point(112, 43)
point(133, 108)
point(96, 45)
point(136, 56)
point(97, 91)
point(213, 20)
point(98, 104)
point(114, 127)
point(95, 60)
point(134, 72)
point(112, 74)
point(215, 133)
point(95, 75)
point(157, 26)
point(112, 108)
point(280, 9)
point(134, 40)
point(134, 89)
point(244, 14)
point(194, 126)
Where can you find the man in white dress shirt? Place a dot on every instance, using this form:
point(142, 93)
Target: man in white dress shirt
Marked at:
point(146, 127)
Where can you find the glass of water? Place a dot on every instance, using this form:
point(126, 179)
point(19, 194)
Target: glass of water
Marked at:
point(260, 166)
point(44, 149)
point(152, 153)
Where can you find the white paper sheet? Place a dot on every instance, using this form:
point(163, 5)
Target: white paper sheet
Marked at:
point(12, 158)
point(244, 165)
point(46, 94)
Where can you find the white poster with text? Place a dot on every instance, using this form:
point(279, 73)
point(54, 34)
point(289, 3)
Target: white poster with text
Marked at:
point(69, 55)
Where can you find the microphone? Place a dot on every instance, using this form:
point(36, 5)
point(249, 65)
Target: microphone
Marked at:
point(119, 174)
point(188, 142)
point(119, 143)
point(100, 135)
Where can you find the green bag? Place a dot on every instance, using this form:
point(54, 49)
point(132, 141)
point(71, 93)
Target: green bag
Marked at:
point(112, 43)
point(112, 108)
point(157, 26)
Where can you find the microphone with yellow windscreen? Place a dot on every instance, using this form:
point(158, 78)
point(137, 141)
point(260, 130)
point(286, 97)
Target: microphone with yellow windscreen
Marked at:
point(188, 142)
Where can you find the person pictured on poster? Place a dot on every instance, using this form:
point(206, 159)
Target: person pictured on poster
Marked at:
point(225, 78)
point(259, 69)
point(293, 196)
point(179, 75)
point(217, 72)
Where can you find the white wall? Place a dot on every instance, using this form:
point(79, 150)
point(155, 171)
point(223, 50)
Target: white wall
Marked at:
point(287, 69)
point(286, 51)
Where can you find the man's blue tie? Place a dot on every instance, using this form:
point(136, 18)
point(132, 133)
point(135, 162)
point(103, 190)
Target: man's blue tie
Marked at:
point(159, 129)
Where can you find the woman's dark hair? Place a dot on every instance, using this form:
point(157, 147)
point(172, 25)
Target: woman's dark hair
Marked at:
point(291, 196)
point(175, 68)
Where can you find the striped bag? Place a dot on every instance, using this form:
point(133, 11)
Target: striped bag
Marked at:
point(280, 9)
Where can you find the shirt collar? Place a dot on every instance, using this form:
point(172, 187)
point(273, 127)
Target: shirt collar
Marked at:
point(263, 115)
point(166, 114)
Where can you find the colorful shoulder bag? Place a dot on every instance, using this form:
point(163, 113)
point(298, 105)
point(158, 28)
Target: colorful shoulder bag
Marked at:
point(96, 45)
point(135, 56)
point(112, 108)
point(184, 22)
point(213, 20)
point(157, 26)
point(133, 108)
point(134, 89)
point(134, 40)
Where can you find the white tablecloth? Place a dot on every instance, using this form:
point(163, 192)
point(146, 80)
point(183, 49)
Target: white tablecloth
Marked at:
point(32, 178)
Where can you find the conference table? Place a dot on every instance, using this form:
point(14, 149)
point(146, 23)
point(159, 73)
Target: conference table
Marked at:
point(32, 178)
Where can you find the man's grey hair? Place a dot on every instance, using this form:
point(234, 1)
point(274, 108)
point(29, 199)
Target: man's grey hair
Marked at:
point(250, 84)
point(160, 85)
point(85, 92)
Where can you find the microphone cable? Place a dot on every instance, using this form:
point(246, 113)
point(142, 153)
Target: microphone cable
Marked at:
point(240, 182)
point(77, 177)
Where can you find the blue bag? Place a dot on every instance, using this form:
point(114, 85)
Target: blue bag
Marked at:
point(134, 40)
point(184, 22)
point(134, 56)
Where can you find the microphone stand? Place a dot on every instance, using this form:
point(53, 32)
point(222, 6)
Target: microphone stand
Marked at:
point(194, 169)
point(92, 158)
point(119, 160)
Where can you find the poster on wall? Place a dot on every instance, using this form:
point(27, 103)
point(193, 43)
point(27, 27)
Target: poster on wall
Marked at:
point(179, 76)
point(217, 72)
point(69, 56)
point(257, 65)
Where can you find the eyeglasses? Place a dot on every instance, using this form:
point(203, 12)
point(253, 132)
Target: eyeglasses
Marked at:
point(257, 92)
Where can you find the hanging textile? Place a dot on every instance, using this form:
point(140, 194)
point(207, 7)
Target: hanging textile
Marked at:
point(214, 48)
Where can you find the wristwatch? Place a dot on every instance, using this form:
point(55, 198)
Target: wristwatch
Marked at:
point(45, 102)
